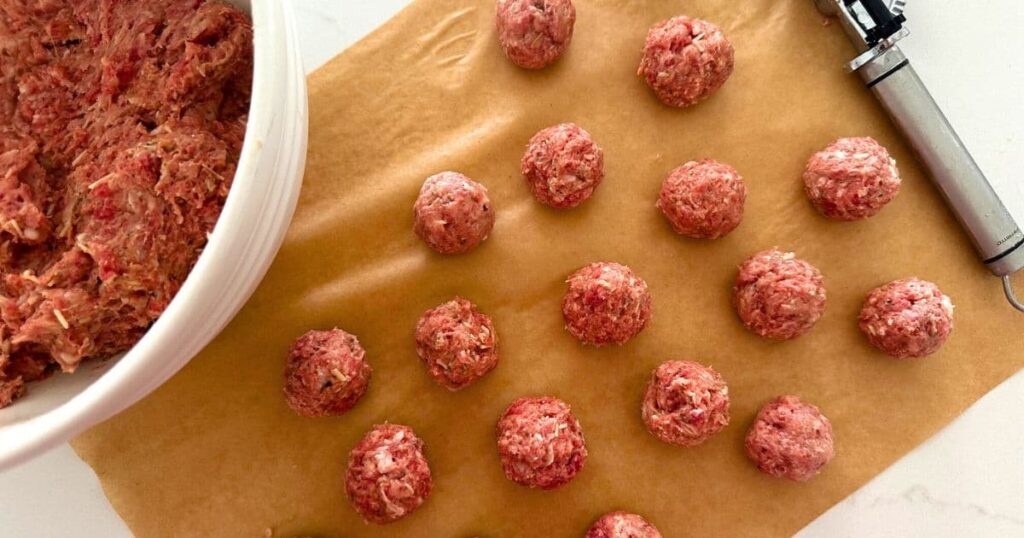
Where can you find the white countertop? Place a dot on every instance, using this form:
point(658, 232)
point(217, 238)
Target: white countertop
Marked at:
point(966, 481)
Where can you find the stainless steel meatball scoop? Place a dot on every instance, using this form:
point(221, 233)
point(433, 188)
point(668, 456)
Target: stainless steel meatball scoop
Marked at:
point(874, 27)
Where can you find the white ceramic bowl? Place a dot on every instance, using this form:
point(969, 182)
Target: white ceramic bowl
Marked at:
point(244, 241)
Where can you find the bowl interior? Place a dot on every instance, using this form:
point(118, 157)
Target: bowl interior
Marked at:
point(53, 393)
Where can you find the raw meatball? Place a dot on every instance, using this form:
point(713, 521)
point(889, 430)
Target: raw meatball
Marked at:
point(540, 443)
point(686, 60)
point(453, 213)
point(685, 403)
point(851, 179)
point(790, 439)
point(457, 343)
point(703, 199)
point(563, 165)
point(535, 33)
point(388, 476)
point(622, 525)
point(778, 295)
point(606, 303)
point(907, 318)
point(326, 373)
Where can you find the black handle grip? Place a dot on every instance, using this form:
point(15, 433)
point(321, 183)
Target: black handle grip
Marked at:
point(885, 23)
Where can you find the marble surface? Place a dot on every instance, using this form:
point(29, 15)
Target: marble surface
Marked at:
point(966, 481)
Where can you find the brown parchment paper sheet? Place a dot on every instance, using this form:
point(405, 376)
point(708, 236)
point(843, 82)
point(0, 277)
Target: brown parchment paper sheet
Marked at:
point(216, 452)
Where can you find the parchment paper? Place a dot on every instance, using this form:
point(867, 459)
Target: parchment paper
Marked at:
point(216, 452)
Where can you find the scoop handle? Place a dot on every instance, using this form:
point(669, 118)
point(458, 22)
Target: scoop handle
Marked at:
point(997, 238)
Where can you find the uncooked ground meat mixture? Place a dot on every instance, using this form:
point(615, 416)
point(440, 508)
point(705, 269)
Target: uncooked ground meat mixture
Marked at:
point(907, 318)
point(703, 199)
point(540, 443)
point(778, 295)
point(686, 60)
point(606, 303)
point(535, 33)
point(120, 129)
point(622, 525)
point(452, 214)
point(388, 476)
point(563, 165)
point(685, 403)
point(851, 179)
point(326, 373)
point(790, 439)
point(457, 342)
